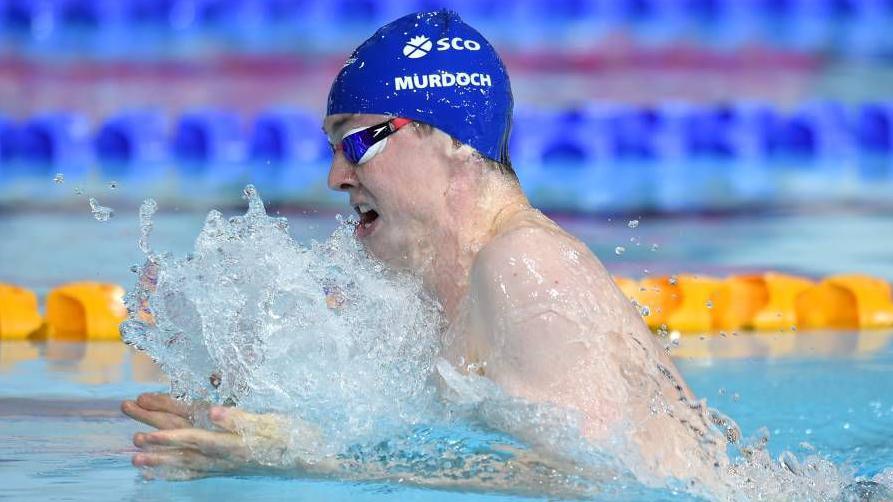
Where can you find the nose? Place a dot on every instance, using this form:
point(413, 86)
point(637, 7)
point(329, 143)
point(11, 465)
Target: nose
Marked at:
point(342, 176)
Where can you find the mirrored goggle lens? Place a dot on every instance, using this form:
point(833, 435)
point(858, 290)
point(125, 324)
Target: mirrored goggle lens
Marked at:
point(355, 145)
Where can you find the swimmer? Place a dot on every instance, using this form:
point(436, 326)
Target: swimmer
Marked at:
point(419, 120)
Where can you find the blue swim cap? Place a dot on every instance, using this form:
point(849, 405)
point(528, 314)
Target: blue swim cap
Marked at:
point(434, 68)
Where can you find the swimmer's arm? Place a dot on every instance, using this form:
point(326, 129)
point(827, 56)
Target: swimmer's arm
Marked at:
point(190, 453)
point(547, 322)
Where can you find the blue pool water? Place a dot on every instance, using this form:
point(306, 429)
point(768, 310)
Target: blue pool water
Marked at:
point(63, 438)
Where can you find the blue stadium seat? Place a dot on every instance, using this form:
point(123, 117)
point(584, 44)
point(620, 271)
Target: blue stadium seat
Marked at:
point(134, 137)
point(216, 12)
point(53, 139)
point(873, 129)
point(7, 132)
point(872, 135)
point(568, 136)
point(704, 11)
point(637, 11)
point(208, 136)
point(287, 135)
point(368, 12)
point(82, 14)
point(18, 17)
point(562, 11)
point(707, 132)
point(156, 13)
point(790, 136)
point(632, 132)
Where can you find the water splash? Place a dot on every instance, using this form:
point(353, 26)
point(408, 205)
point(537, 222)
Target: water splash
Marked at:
point(147, 210)
point(320, 332)
point(59, 178)
point(101, 213)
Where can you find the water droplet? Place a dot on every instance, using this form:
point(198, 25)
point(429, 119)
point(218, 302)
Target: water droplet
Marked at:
point(78, 191)
point(113, 185)
point(709, 304)
point(59, 178)
point(619, 250)
point(633, 224)
point(673, 280)
point(645, 311)
point(101, 213)
point(654, 247)
point(147, 209)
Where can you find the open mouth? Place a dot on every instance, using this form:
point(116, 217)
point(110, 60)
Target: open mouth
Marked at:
point(368, 218)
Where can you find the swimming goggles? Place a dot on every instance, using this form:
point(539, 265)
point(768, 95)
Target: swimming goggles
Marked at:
point(363, 143)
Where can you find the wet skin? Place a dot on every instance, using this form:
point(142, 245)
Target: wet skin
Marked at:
point(527, 305)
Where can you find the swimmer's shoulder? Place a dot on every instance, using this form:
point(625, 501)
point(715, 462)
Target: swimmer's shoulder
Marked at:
point(533, 235)
point(532, 256)
point(530, 240)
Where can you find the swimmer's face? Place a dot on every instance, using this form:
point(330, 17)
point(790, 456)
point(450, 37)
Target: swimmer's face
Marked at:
point(404, 186)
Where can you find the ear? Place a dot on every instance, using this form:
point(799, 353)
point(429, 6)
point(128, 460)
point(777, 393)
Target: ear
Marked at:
point(458, 153)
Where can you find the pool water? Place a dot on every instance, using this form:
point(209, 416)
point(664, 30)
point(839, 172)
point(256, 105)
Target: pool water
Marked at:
point(831, 393)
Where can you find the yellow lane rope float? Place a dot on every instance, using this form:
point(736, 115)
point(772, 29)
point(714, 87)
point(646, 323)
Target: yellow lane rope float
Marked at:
point(86, 309)
point(686, 303)
point(761, 302)
point(19, 316)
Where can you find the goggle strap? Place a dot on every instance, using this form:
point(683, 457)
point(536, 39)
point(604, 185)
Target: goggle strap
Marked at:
point(400, 122)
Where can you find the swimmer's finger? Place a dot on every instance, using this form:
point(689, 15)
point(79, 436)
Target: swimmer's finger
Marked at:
point(155, 401)
point(240, 422)
point(216, 444)
point(190, 460)
point(157, 419)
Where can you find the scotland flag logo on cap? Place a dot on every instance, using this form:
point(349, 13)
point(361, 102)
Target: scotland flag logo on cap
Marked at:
point(433, 68)
point(417, 47)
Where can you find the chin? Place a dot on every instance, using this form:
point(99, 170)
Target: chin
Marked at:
point(394, 256)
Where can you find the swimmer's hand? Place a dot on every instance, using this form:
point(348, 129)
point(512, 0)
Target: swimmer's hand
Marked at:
point(160, 411)
point(245, 443)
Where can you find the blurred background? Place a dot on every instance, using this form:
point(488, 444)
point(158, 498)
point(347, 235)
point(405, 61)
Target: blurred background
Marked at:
point(732, 122)
point(622, 106)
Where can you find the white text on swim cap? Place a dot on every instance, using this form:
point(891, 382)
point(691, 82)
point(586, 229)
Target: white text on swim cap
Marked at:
point(458, 44)
point(420, 46)
point(444, 79)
